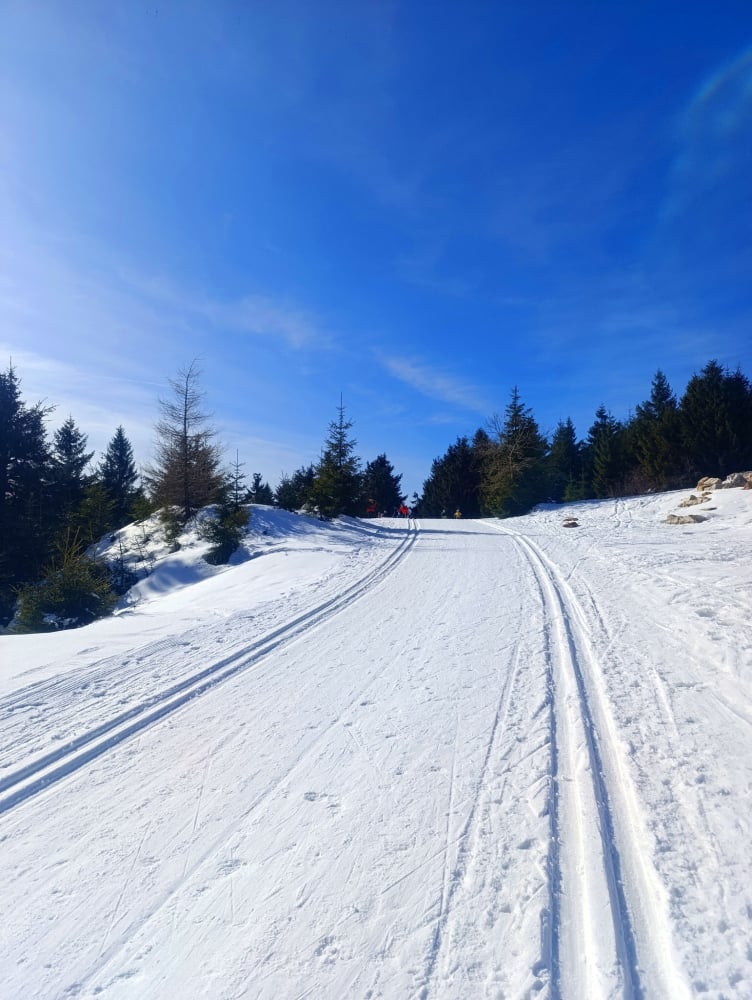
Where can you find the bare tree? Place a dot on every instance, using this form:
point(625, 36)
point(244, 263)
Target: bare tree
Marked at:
point(186, 473)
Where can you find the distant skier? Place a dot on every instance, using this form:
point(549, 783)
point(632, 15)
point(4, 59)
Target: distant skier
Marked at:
point(403, 511)
point(458, 513)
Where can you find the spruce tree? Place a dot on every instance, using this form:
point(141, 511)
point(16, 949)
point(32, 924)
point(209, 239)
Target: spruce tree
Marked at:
point(605, 446)
point(453, 483)
point(336, 487)
point(381, 486)
point(238, 492)
point(564, 462)
point(653, 436)
point(716, 421)
point(69, 460)
point(24, 477)
point(260, 491)
point(514, 474)
point(117, 475)
point(294, 492)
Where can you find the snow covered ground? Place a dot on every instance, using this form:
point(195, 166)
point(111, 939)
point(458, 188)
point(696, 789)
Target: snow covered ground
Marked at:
point(436, 759)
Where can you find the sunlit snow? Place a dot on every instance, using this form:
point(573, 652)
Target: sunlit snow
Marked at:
point(397, 759)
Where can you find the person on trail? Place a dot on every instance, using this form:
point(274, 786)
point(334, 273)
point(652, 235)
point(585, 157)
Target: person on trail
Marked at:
point(371, 508)
point(458, 513)
point(403, 511)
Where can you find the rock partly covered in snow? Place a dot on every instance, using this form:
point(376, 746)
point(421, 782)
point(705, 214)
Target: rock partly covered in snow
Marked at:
point(685, 519)
point(736, 479)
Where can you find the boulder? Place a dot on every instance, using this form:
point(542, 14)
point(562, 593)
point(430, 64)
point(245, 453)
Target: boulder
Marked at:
point(736, 479)
point(685, 519)
point(692, 500)
point(708, 483)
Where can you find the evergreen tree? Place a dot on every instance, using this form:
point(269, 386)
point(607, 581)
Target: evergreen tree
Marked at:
point(186, 475)
point(716, 421)
point(117, 475)
point(605, 446)
point(75, 590)
point(238, 493)
point(24, 478)
point(69, 460)
point(261, 492)
point(564, 462)
point(514, 471)
point(95, 515)
point(381, 486)
point(294, 492)
point(453, 483)
point(654, 437)
point(336, 487)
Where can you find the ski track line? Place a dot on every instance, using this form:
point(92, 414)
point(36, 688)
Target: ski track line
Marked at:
point(38, 775)
point(628, 871)
point(582, 799)
point(190, 870)
point(461, 864)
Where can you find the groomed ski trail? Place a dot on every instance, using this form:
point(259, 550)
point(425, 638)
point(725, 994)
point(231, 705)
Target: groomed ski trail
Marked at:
point(610, 933)
point(33, 776)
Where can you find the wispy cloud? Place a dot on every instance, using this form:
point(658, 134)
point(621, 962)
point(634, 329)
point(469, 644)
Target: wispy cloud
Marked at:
point(435, 384)
point(98, 402)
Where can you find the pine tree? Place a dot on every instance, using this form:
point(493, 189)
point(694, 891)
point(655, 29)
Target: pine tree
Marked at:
point(381, 487)
point(453, 483)
point(605, 446)
point(75, 590)
point(336, 487)
point(564, 462)
point(238, 493)
point(294, 492)
point(69, 460)
point(514, 471)
point(716, 421)
point(95, 515)
point(653, 436)
point(260, 491)
point(24, 475)
point(117, 475)
point(186, 475)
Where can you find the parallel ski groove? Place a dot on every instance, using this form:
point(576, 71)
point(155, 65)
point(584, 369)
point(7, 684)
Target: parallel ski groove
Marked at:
point(37, 775)
point(626, 949)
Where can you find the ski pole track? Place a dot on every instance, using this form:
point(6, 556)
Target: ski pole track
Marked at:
point(569, 646)
point(39, 774)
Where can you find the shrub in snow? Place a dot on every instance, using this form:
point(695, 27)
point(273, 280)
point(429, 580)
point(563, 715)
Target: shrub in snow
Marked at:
point(76, 590)
point(225, 531)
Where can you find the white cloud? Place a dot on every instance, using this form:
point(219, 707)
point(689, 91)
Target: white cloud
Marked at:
point(435, 384)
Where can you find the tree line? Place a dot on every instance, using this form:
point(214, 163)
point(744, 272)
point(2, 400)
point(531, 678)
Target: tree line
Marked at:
point(54, 503)
point(509, 466)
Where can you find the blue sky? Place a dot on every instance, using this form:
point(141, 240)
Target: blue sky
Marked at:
point(416, 205)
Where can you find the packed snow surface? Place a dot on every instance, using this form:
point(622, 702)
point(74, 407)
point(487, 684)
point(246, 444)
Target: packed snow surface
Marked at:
point(399, 759)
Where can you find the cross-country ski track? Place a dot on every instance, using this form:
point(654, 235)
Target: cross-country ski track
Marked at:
point(465, 765)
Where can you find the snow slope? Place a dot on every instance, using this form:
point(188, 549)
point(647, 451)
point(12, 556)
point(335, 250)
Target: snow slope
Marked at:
point(392, 759)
